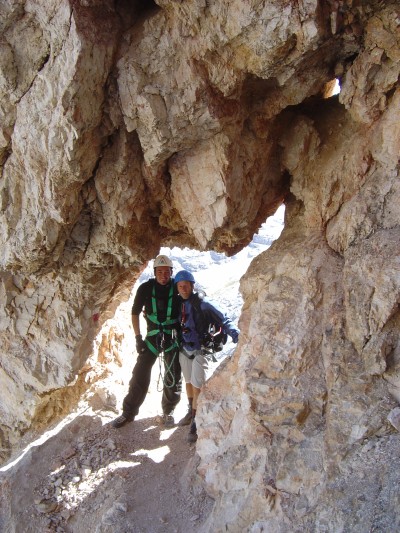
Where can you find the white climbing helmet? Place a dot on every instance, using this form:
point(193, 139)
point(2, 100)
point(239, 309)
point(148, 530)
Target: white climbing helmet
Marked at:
point(162, 261)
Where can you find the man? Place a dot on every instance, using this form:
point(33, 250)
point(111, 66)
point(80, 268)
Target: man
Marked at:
point(158, 300)
point(200, 323)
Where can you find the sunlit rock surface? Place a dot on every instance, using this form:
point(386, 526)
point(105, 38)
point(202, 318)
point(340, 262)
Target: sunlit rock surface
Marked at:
point(125, 126)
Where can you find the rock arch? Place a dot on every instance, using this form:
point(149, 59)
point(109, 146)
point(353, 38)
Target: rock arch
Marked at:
point(188, 124)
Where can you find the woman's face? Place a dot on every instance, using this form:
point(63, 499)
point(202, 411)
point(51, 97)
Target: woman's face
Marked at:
point(185, 289)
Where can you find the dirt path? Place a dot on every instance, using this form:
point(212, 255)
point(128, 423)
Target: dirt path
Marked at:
point(89, 477)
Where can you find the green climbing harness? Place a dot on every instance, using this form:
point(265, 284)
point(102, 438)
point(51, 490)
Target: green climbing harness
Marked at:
point(162, 329)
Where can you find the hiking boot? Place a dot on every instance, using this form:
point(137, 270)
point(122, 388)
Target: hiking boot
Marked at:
point(186, 420)
point(192, 436)
point(121, 421)
point(167, 420)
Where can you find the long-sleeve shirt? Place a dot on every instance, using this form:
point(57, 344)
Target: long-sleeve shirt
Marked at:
point(194, 326)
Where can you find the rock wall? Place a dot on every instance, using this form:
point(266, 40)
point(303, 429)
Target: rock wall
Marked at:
point(129, 125)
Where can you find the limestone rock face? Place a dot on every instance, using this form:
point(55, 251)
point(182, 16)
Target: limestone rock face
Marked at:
point(125, 126)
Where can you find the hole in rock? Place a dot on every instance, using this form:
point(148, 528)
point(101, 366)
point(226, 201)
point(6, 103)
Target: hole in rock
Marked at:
point(131, 12)
point(114, 354)
point(144, 7)
point(215, 274)
point(332, 88)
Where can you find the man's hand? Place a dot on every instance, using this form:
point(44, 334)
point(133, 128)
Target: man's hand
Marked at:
point(140, 344)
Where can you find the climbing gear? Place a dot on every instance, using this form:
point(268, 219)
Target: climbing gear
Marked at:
point(184, 329)
point(121, 421)
point(192, 436)
point(184, 275)
point(200, 329)
point(162, 260)
point(161, 327)
point(214, 339)
point(212, 336)
point(190, 355)
point(159, 333)
point(168, 379)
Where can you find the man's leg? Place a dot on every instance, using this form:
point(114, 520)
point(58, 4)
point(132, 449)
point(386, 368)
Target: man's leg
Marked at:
point(138, 387)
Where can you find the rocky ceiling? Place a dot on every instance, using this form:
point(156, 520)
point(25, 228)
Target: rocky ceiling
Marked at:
point(130, 125)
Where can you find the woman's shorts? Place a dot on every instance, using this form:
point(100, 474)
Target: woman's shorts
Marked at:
point(195, 371)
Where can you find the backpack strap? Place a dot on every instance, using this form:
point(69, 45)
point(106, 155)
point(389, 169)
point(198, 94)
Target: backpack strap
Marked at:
point(200, 319)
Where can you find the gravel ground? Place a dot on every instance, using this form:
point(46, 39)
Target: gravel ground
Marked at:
point(88, 477)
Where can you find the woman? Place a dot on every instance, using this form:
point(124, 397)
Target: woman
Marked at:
point(201, 322)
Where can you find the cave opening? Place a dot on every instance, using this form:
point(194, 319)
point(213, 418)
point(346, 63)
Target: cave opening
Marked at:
point(109, 367)
point(332, 88)
point(215, 273)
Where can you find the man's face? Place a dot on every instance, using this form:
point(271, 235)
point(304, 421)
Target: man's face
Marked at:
point(163, 275)
point(185, 289)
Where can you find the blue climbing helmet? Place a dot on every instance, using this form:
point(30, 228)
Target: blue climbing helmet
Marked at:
point(184, 275)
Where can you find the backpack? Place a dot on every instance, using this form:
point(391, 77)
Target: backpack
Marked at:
point(212, 334)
